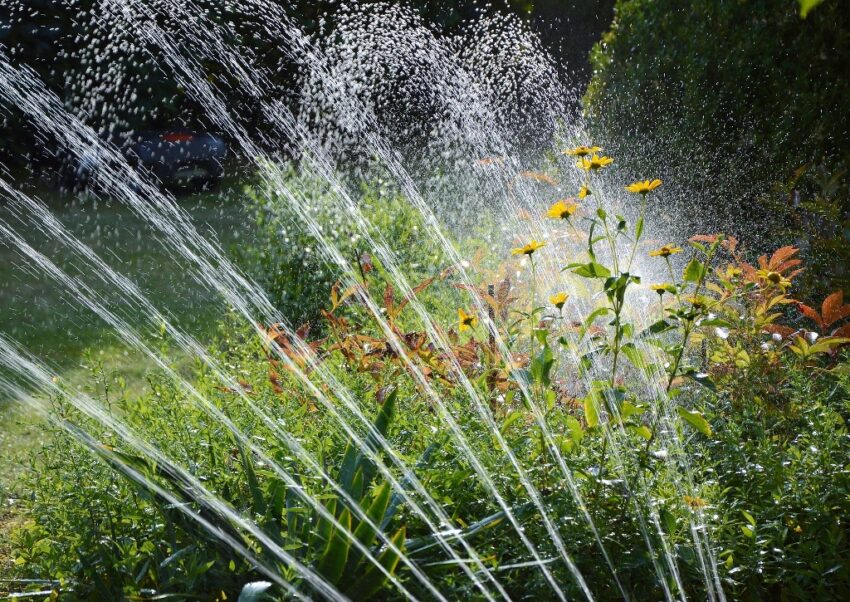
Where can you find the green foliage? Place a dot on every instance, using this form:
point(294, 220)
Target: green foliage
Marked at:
point(752, 410)
point(286, 258)
point(747, 103)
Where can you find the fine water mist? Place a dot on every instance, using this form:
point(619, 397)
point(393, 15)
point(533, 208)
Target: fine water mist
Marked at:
point(468, 128)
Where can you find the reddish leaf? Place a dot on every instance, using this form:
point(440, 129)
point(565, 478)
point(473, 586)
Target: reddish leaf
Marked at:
point(811, 314)
point(389, 299)
point(781, 254)
point(834, 308)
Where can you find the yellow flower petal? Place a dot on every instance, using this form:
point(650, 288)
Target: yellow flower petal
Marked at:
point(559, 299)
point(665, 251)
point(581, 151)
point(562, 209)
point(465, 320)
point(594, 163)
point(644, 187)
point(528, 249)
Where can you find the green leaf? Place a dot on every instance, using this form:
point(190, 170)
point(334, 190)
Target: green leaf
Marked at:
point(253, 482)
point(364, 532)
point(641, 430)
point(747, 531)
point(591, 414)
point(628, 409)
point(806, 6)
point(635, 355)
point(694, 271)
point(659, 327)
point(324, 528)
point(592, 270)
point(696, 420)
point(639, 228)
point(332, 563)
point(541, 365)
point(372, 580)
point(510, 420)
point(576, 432)
point(749, 518)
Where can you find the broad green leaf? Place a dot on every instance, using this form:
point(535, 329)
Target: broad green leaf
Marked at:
point(372, 580)
point(510, 420)
point(541, 365)
point(332, 563)
point(635, 355)
point(364, 532)
point(628, 409)
point(694, 270)
point(641, 430)
point(576, 432)
point(749, 517)
point(806, 6)
point(592, 270)
point(696, 420)
point(324, 528)
point(591, 414)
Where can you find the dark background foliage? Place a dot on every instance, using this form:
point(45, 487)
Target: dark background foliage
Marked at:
point(745, 104)
point(109, 81)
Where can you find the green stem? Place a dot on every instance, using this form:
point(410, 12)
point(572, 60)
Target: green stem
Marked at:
point(637, 238)
point(688, 329)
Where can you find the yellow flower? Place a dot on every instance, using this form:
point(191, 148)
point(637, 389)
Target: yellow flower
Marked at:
point(665, 251)
point(465, 320)
point(528, 249)
point(644, 187)
point(559, 300)
point(584, 192)
point(563, 209)
point(581, 151)
point(594, 163)
point(695, 502)
point(697, 302)
point(774, 279)
point(798, 529)
point(660, 288)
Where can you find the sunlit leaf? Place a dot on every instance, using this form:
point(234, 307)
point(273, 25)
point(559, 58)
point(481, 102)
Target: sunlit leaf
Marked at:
point(696, 420)
point(806, 6)
point(591, 414)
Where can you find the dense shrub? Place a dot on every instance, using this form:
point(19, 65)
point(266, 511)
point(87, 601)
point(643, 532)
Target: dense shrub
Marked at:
point(747, 103)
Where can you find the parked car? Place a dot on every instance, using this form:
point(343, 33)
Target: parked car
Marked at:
point(177, 159)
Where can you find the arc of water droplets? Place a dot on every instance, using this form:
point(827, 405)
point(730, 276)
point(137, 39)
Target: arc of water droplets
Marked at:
point(129, 334)
point(39, 377)
point(650, 544)
point(174, 235)
point(654, 387)
point(424, 384)
point(130, 292)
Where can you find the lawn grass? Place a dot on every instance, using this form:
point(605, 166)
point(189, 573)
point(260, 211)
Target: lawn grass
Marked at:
point(20, 435)
point(35, 313)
